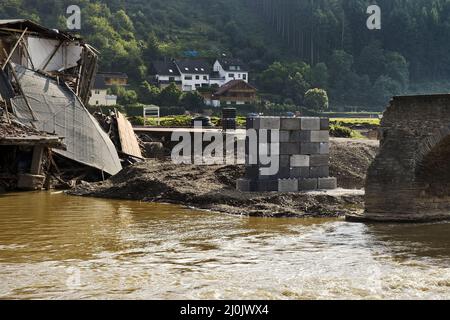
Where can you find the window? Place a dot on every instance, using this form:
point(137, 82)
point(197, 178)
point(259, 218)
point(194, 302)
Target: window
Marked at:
point(197, 77)
point(231, 75)
point(97, 91)
point(96, 102)
point(187, 77)
point(170, 70)
point(205, 77)
point(197, 85)
point(232, 68)
point(244, 76)
point(171, 79)
point(239, 75)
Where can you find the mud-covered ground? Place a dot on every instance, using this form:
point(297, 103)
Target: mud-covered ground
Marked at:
point(213, 187)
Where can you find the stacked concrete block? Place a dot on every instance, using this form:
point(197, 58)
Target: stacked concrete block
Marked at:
point(302, 151)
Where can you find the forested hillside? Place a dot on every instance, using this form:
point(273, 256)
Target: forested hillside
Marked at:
point(290, 45)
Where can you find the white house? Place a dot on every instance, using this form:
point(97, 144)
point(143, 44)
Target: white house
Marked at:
point(104, 81)
point(166, 72)
point(191, 74)
point(230, 69)
point(194, 73)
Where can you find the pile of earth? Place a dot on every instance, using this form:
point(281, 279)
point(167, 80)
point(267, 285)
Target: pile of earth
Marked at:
point(213, 187)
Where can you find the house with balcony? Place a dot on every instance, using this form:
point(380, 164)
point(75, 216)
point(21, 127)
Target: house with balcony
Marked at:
point(235, 92)
point(192, 74)
point(103, 82)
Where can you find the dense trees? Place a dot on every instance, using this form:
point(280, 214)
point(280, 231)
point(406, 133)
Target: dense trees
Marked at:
point(291, 46)
point(412, 45)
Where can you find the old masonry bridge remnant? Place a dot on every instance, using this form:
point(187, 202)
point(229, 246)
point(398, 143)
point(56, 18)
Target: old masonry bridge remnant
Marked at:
point(409, 180)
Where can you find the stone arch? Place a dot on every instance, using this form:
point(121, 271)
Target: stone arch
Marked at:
point(409, 180)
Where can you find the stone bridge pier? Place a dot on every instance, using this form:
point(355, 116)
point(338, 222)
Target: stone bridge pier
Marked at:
point(409, 181)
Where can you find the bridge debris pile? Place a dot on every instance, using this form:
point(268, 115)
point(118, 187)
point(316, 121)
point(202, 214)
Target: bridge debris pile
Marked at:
point(25, 156)
point(46, 78)
point(122, 135)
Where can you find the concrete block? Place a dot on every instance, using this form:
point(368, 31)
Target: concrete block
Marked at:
point(324, 148)
point(256, 123)
point(290, 124)
point(269, 123)
point(249, 123)
point(307, 184)
point(284, 173)
point(285, 136)
point(310, 124)
point(252, 172)
point(309, 148)
point(319, 172)
point(289, 148)
point(285, 161)
point(324, 124)
point(268, 149)
point(246, 185)
point(30, 182)
point(300, 160)
point(300, 136)
point(300, 172)
point(319, 160)
point(320, 136)
point(288, 185)
point(327, 183)
point(267, 185)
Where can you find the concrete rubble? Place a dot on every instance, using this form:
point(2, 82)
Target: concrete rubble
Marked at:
point(46, 77)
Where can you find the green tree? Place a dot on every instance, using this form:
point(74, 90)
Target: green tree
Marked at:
point(316, 99)
point(149, 94)
point(170, 96)
point(192, 100)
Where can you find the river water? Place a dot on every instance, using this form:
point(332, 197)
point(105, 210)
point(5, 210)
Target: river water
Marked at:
point(62, 247)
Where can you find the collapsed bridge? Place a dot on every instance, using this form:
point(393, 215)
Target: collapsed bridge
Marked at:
point(409, 181)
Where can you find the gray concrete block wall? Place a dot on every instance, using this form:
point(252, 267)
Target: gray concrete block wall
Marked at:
point(302, 151)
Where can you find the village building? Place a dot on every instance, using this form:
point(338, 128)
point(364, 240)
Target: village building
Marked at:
point(192, 74)
point(230, 69)
point(103, 82)
point(166, 72)
point(235, 92)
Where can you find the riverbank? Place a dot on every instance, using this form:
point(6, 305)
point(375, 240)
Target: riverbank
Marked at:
point(213, 187)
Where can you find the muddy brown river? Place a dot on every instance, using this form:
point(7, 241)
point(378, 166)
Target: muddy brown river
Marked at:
point(62, 247)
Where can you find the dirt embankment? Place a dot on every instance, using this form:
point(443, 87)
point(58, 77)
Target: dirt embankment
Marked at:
point(213, 187)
